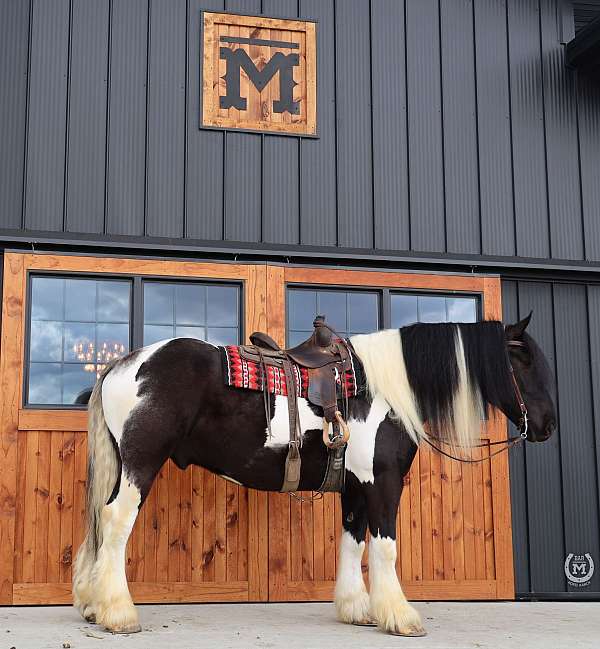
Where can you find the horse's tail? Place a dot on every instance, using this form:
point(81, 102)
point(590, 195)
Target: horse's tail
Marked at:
point(103, 473)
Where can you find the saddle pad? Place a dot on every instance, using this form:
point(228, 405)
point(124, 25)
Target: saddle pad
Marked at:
point(241, 373)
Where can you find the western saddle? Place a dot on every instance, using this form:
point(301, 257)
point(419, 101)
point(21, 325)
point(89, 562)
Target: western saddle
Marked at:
point(326, 357)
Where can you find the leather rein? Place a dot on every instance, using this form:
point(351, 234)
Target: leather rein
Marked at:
point(523, 426)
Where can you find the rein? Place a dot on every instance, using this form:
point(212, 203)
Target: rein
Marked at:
point(510, 441)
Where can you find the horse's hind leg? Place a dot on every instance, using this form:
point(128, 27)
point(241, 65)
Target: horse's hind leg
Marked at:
point(388, 604)
point(112, 603)
point(351, 597)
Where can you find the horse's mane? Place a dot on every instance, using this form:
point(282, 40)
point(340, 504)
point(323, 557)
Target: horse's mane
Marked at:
point(443, 374)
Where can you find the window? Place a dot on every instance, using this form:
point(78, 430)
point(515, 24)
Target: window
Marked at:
point(191, 310)
point(407, 308)
point(348, 312)
point(76, 326)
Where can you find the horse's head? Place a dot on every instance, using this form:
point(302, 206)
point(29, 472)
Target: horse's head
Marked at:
point(535, 381)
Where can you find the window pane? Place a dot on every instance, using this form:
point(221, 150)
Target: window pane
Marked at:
point(222, 306)
point(297, 337)
point(362, 312)
point(302, 309)
point(80, 342)
point(431, 308)
point(66, 353)
point(47, 298)
point(461, 309)
point(190, 301)
point(80, 300)
point(154, 333)
point(44, 383)
point(46, 341)
point(113, 302)
point(76, 379)
point(191, 332)
point(158, 303)
point(404, 310)
point(223, 335)
point(332, 304)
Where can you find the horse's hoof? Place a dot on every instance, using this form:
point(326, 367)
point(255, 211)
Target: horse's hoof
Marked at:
point(126, 629)
point(91, 618)
point(410, 632)
point(367, 622)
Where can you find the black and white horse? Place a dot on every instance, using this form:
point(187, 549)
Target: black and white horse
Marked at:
point(169, 400)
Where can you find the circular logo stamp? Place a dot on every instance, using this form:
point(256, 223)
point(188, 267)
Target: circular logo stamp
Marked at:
point(579, 569)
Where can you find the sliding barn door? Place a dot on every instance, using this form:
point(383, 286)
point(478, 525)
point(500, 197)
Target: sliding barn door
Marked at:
point(454, 525)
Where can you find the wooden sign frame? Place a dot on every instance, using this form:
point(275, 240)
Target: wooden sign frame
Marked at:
point(276, 60)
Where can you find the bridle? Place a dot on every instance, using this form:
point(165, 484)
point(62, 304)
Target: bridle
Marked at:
point(511, 441)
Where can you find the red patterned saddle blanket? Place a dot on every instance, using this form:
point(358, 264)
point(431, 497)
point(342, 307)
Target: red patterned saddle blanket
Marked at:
point(239, 372)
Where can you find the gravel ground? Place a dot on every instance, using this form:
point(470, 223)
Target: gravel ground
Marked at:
point(464, 625)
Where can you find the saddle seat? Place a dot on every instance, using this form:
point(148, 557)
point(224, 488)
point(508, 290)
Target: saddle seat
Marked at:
point(316, 352)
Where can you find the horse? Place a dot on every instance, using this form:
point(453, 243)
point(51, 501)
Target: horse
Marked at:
point(430, 382)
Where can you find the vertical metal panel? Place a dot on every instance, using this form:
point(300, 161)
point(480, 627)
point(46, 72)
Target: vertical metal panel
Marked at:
point(280, 203)
point(86, 155)
point(165, 157)
point(390, 147)
point(588, 103)
point(243, 187)
point(543, 488)
point(594, 327)
point(493, 115)
point(425, 153)
point(126, 169)
point(46, 133)
point(318, 190)
point(14, 39)
point(281, 189)
point(529, 157)
point(353, 106)
point(562, 156)
point(518, 477)
point(576, 424)
point(243, 168)
point(204, 149)
point(460, 127)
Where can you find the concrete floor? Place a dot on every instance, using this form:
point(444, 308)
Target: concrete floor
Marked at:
point(497, 625)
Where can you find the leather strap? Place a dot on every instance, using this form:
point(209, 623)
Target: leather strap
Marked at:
point(291, 478)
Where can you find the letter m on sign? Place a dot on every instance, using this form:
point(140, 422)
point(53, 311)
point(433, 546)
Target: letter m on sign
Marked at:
point(259, 74)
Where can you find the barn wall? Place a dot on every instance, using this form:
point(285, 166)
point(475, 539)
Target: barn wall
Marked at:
point(555, 485)
point(444, 127)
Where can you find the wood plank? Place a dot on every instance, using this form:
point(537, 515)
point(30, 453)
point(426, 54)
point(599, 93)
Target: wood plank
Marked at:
point(437, 516)
point(405, 555)
point(308, 540)
point(258, 545)
point(490, 567)
point(55, 503)
point(242, 550)
point(174, 517)
point(447, 523)
point(162, 523)
point(318, 540)
point(479, 516)
point(426, 513)
point(329, 530)
point(10, 383)
point(209, 532)
point(469, 521)
point(279, 534)
point(142, 593)
point(20, 505)
point(185, 554)
point(232, 532)
point(79, 491)
point(295, 551)
point(220, 530)
point(66, 512)
point(150, 514)
point(42, 493)
point(197, 522)
point(415, 521)
point(29, 514)
point(458, 521)
point(64, 420)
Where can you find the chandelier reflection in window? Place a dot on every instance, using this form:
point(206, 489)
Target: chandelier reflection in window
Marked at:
point(97, 359)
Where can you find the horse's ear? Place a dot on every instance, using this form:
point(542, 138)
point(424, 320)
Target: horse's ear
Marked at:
point(516, 331)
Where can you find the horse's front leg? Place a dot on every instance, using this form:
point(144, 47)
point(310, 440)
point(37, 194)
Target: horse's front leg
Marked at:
point(388, 604)
point(351, 597)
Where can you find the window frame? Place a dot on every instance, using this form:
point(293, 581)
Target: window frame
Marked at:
point(136, 315)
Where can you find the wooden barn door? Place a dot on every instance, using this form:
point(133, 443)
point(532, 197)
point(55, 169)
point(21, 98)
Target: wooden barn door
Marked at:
point(197, 538)
point(454, 525)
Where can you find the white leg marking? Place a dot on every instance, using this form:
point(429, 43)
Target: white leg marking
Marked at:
point(388, 603)
point(112, 602)
point(351, 597)
point(280, 424)
point(361, 445)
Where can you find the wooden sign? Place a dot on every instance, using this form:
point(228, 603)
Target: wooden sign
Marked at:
point(259, 74)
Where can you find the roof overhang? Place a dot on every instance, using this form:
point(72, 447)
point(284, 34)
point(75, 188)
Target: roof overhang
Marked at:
point(583, 52)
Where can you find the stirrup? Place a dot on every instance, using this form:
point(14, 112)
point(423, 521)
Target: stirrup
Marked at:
point(330, 439)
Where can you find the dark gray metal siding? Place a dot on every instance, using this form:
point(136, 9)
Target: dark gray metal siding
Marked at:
point(555, 485)
point(444, 127)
